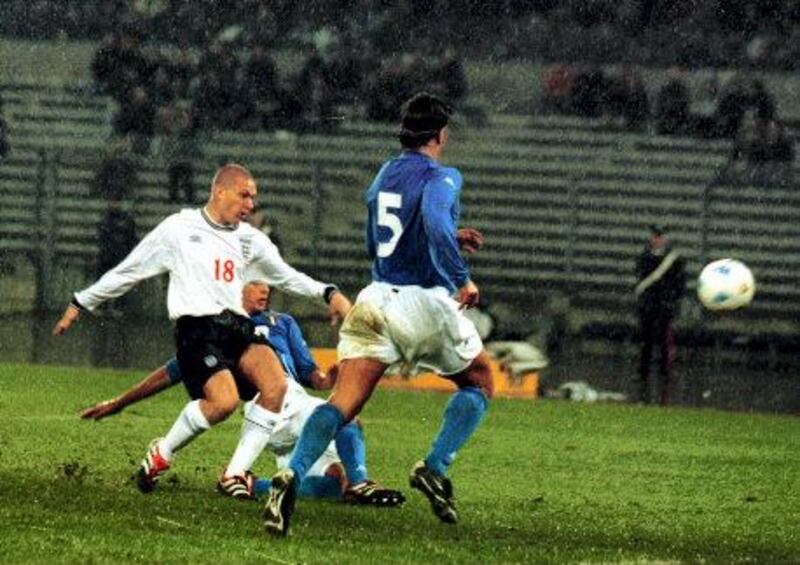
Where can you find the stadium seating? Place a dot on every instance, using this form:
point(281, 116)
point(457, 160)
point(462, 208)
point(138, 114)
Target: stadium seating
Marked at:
point(564, 202)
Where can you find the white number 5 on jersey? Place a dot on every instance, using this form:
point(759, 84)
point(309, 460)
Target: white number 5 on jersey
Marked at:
point(387, 219)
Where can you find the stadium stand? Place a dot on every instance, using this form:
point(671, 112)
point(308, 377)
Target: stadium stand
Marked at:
point(564, 202)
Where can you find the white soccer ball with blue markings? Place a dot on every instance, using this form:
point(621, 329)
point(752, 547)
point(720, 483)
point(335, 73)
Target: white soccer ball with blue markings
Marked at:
point(726, 284)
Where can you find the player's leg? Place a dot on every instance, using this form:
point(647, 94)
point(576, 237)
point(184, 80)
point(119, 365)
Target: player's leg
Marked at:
point(260, 367)
point(215, 400)
point(365, 351)
point(325, 479)
point(354, 385)
point(352, 451)
point(356, 381)
point(646, 328)
point(462, 415)
point(453, 349)
point(666, 340)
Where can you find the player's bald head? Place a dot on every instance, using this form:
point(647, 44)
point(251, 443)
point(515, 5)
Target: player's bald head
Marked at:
point(232, 197)
point(255, 296)
point(254, 284)
point(231, 176)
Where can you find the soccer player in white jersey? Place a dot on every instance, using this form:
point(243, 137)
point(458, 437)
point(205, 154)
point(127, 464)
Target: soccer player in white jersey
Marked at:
point(411, 312)
point(206, 252)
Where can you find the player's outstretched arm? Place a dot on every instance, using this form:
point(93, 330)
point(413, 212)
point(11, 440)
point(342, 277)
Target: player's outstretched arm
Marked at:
point(68, 318)
point(155, 382)
point(469, 239)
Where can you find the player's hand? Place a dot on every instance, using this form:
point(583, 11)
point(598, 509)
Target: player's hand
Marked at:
point(338, 307)
point(332, 374)
point(468, 295)
point(67, 319)
point(326, 380)
point(469, 239)
point(101, 410)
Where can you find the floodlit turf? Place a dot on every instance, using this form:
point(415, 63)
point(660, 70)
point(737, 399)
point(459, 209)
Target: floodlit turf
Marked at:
point(541, 481)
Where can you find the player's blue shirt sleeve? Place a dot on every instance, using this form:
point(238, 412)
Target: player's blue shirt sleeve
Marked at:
point(440, 212)
point(174, 371)
point(298, 349)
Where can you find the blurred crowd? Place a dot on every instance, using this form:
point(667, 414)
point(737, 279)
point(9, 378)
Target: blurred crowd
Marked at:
point(235, 84)
point(722, 33)
point(739, 108)
point(169, 94)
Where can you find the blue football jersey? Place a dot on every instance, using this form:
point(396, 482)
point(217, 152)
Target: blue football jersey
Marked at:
point(413, 210)
point(283, 333)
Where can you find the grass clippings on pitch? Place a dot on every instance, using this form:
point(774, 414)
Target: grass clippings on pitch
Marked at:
point(540, 481)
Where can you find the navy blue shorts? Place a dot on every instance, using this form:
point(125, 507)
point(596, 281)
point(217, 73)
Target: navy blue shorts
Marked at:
point(206, 345)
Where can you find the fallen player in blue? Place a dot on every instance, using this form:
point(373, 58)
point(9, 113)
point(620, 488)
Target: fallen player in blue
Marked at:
point(340, 472)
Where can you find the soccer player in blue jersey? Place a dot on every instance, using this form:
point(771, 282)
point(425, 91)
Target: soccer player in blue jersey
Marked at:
point(341, 471)
point(412, 312)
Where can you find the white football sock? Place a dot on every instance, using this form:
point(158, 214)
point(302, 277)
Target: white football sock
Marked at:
point(190, 424)
point(258, 425)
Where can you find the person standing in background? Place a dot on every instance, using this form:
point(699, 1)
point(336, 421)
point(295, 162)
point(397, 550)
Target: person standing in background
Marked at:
point(661, 280)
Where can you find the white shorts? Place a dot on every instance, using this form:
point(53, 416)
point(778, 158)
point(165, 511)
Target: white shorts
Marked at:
point(423, 328)
point(297, 407)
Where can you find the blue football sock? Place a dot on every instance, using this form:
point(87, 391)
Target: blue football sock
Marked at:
point(311, 487)
point(461, 417)
point(352, 452)
point(320, 487)
point(319, 430)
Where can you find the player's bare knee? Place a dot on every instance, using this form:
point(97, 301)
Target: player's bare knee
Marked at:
point(271, 392)
point(219, 409)
point(479, 374)
point(348, 409)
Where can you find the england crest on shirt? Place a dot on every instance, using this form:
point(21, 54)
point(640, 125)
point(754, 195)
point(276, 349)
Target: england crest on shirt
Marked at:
point(246, 247)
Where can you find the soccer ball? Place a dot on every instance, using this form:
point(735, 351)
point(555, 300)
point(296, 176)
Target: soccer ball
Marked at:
point(726, 284)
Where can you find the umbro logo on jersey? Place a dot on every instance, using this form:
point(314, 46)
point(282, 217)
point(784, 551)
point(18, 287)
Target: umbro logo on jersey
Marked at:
point(195, 238)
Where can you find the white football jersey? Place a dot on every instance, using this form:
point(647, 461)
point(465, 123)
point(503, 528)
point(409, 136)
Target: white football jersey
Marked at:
point(207, 265)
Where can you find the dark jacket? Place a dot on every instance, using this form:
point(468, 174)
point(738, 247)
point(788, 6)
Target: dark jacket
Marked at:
point(664, 292)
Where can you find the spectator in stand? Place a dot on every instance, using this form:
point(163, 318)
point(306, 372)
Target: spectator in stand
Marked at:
point(136, 118)
point(217, 102)
point(161, 88)
point(116, 236)
point(451, 75)
point(182, 71)
point(119, 64)
point(261, 91)
point(350, 62)
point(179, 148)
point(672, 105)
point(637, 108)
point(762, 101)
point(589, 93)
point(779, 145)
point(117, 175)
point(703, 110)
point(615, 101)
point(557, 83)
point(734, 101)
point(315, 91)
point(748, 146)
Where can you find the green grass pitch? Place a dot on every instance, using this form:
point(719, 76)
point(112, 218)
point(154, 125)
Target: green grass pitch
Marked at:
point(541, 481)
